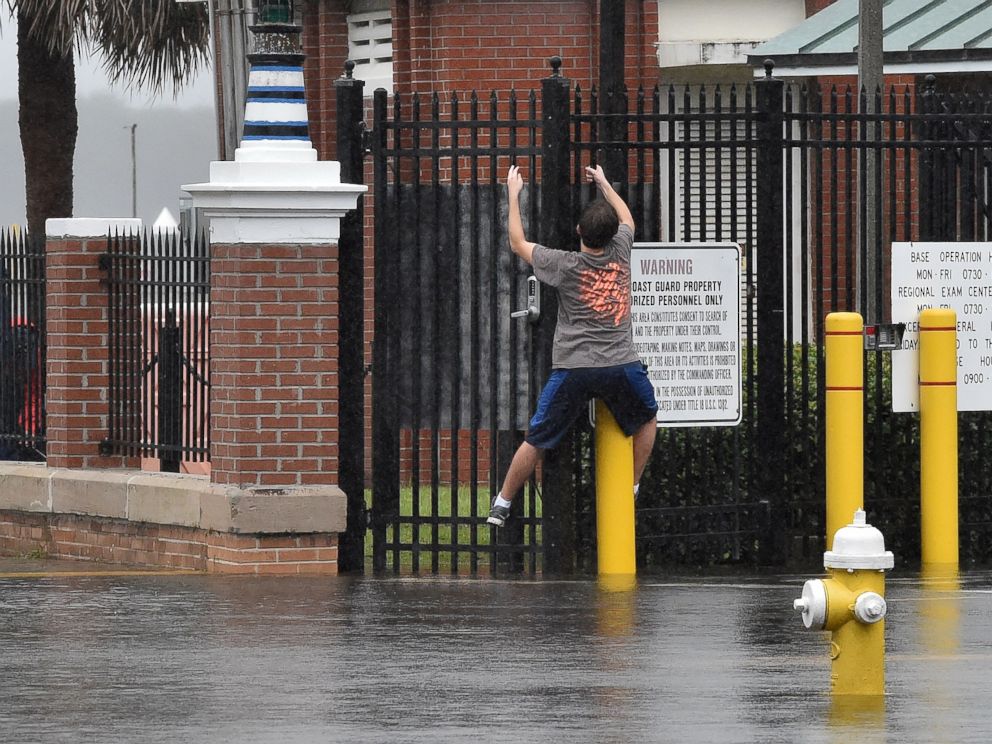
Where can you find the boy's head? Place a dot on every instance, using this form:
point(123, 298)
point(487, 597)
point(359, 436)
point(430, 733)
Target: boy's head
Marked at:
point(598, 224)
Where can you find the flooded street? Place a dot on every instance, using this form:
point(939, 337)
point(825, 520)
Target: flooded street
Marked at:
point(159, 658)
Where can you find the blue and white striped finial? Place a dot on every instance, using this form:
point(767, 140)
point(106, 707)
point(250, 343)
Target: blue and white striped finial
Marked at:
point(276, 121)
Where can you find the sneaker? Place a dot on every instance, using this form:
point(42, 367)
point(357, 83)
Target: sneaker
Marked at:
point(498, 515)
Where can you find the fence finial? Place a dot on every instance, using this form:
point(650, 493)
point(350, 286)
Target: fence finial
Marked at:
point(555, 63)
point(349, 68)
point(769, 66)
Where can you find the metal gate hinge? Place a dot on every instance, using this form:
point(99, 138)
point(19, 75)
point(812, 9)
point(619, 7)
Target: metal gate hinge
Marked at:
point(366, 135)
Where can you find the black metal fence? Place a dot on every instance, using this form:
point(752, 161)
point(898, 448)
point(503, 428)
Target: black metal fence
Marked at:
point(931, 183)
point(159, 390)
point(22, 347)
point(783, 171)
point(452, 374)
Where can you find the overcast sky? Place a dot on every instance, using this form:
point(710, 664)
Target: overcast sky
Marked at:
point(175, 141)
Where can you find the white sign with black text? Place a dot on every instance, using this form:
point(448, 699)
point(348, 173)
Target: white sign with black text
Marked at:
point(685, 312)
point(955, 275)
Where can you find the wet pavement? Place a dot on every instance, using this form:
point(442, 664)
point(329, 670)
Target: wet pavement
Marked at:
point(196, 658)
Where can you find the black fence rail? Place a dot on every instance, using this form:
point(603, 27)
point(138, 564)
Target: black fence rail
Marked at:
point(790, 173)
point(22, 346)
point(159, 303)
point(931, 181)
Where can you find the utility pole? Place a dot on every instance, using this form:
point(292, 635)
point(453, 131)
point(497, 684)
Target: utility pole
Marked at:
point(870, 79)
point(134, 173)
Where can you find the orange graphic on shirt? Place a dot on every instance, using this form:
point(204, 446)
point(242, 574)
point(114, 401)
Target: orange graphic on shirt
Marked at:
point(606, 291)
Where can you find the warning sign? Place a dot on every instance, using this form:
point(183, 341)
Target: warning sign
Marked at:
point(685, 307)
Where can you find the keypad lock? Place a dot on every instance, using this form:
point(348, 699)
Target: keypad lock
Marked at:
point(533, 311)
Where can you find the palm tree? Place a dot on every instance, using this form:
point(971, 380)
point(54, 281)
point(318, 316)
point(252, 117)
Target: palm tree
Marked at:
point(145, 43)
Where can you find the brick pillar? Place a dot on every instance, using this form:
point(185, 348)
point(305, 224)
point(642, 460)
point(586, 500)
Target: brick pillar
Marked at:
point(274, 216)
point(77, 372)
point(274, 364)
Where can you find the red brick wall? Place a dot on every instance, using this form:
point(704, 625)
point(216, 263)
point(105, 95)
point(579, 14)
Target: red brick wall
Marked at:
point(76, 537)
point(78, 366)
point(461, 45)
point(446, 456)
point(815, 6)
point(274, 365)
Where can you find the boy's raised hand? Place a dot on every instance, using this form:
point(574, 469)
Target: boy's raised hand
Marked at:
point(595, 175)
point(514, 181)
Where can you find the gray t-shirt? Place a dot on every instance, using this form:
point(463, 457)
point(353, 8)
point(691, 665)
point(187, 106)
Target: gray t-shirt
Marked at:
point(593, 303)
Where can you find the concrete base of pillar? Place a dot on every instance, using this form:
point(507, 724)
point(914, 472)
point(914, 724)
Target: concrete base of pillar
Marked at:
point(167, 520)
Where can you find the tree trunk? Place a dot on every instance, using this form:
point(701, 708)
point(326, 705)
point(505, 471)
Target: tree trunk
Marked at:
point(46, 90)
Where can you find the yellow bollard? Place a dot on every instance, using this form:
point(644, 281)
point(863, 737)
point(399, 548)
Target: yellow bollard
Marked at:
point(614, 496)
point(851, 604)
point(845, 419)
point(938, 437)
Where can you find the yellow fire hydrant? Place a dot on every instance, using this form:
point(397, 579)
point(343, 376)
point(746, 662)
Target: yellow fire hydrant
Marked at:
point(851, 604)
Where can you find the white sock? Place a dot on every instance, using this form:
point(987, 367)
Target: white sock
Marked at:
point(500, 501)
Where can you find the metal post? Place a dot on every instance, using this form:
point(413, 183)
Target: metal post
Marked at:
point(612, 23)
point(870, 81)
point(8, 360)
point(771, 288)
point(927, 193)
point(938, 437)
point(615, 546)
point(845, 419)
point(134, 174)
point(385, 415)
point(229, 32)
point(170, 394)
point(556, 214)
point(349, 93)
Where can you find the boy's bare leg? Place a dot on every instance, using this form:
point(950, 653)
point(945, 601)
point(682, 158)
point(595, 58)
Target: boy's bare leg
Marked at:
point(521, 467)
point(643, 444)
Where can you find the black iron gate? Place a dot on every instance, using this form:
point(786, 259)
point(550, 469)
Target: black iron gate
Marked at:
point(22, 347)
point(453, 375)
point(780, 170)
point(158, 286)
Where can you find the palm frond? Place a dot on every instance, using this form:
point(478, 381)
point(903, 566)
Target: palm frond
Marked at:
point(149, 43)
point(59, 24)
point(146, 43)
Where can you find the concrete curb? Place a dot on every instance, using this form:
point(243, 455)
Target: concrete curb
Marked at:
point(171, 499)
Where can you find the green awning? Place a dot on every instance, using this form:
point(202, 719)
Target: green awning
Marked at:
point(919, 37)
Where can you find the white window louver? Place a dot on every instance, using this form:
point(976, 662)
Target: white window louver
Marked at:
point(370, 47)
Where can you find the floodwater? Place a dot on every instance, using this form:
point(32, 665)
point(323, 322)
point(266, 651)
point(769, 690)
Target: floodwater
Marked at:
point(195, 658)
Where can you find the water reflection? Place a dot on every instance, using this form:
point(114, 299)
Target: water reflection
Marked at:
point(615, 605)
point(859, 718)
point(219, 659)
point(940, 609)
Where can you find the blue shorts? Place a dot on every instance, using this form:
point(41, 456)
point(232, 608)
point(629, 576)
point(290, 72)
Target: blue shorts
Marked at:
point(625, 389)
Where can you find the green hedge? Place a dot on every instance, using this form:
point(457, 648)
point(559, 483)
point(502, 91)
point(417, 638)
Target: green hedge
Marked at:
point(700, 502)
